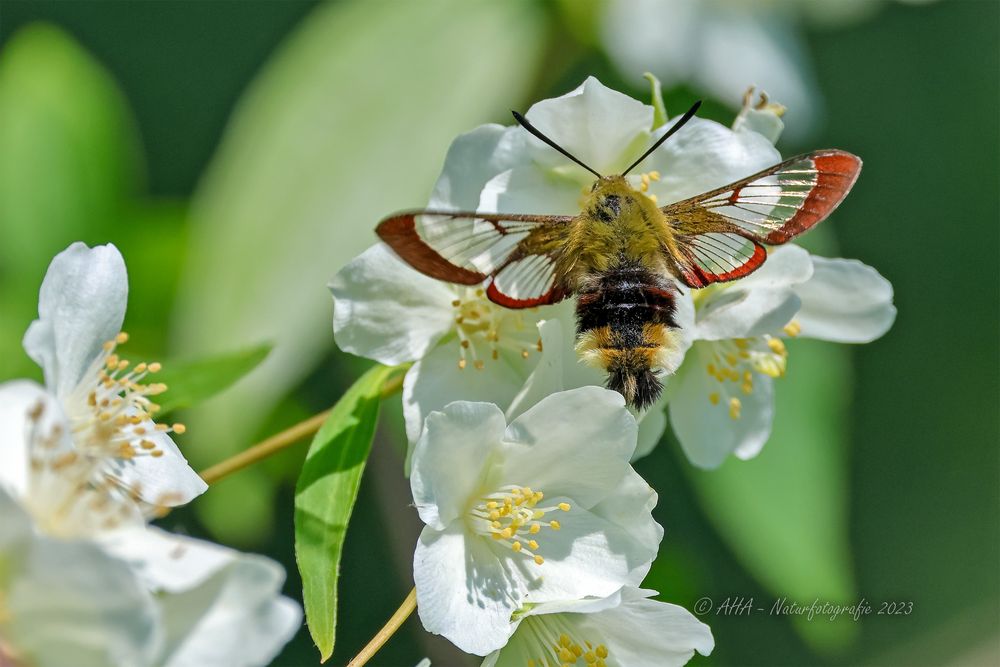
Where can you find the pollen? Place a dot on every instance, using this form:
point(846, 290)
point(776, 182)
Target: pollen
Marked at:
point(735, 363)
point(111, 411)
point(486, 331)
point(550, 640)
point(511, 514)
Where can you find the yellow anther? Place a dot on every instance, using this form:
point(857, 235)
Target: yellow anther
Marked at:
point(654, 175)
point(711, 369)
point(155, 367)
point(777, 346)
point(156, 453)
point(564, 507)
point(111, 361)
point(566, 655)
point(121, 338)
point(538, 345)
point(564, 640)
point(516, 546)
point(747, 387)
point(506, 533)
point(126, 451)
point(539, 560)
point(554, 525)
point(577, 650)
point(479, 365)
point(734, 408)
point(179, 428)
point(601, 651)
point(496, 536)
point(465, 344)
point(108, 345)
point(731, 359)
point(480, 292)
point(532, 544)
point(524, 354)
point(456, 303)
point(714, 398)
point(138, 430)
point(491, 505)
point(495, 355)
point(534, 529)
point(147, 444)
point(461, 363)
point(793, 328)
point(141, 367)
point(589, 657)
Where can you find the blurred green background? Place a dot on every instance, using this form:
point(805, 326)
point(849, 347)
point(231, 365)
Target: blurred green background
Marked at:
point(239, 153)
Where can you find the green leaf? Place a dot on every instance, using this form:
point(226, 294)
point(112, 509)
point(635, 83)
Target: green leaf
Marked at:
point(69, 159)
point(349, 121)
point(324, 500)
point(784, 513)
point(190, 382)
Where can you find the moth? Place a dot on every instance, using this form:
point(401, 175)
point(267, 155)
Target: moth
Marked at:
point(623, 255)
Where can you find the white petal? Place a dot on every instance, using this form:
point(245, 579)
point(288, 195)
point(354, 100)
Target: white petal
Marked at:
point(652, 424)
point(473, 159)
point(462, 593)
point(163, 481)
point(386, 311)
point(70, 603)
point(450, 456)
point(600, 126)
point(589, 556)
point(630, 507)
point(648, 633)
point(530, 189)
point(549, 374)
point(705, 155)
point(17, 397)
point(845, 301)
point(706, 432)
point(80, 306)
point(575, 443)
point(761, 303)
point(436, 380)
point(219, 606)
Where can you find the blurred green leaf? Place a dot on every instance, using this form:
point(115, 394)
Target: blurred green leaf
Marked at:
point(349, 121)
point(68, 160)
point(191, 382)
point(324, 500)
point(784, 513)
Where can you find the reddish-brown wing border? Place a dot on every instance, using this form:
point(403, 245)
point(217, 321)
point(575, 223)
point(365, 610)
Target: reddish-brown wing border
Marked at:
point(399, 231)
point(836, 171)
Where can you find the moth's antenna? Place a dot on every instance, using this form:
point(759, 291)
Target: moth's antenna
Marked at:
point(535, 131)
point(688, 115)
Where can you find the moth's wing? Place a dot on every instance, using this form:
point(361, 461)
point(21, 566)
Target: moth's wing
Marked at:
point(718, 234)
point(516, 253)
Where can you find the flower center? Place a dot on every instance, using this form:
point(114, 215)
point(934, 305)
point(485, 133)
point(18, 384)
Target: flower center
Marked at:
point(70, 494)
point(551, 642)
point(485, 329)
point(512, 516)
point(734, 363)
point(110, 411)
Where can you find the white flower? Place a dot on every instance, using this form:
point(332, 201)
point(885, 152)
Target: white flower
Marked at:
point(722, 398)
point(101, 399)
point(625, 629)
point(86, 482)
point(68, 602)
point(217, 606)
point(545, 509)
point(386, 311)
